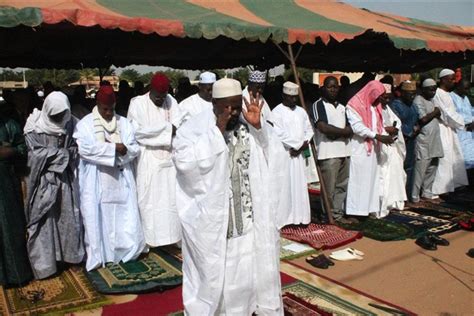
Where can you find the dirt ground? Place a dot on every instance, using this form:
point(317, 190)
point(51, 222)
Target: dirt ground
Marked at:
point(426, 282)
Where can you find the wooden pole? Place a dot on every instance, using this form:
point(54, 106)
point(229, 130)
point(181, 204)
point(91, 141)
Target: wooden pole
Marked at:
point(327, 205)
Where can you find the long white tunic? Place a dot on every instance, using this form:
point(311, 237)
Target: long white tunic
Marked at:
point(363, 191)
point(237, 276)
point(293, 128)
point(451, 172)
point(109, 207)
point(393, 176)
point(155, 171)
point(194, 105)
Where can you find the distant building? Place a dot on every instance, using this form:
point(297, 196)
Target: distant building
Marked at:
point(94, 82)
point(13, 84)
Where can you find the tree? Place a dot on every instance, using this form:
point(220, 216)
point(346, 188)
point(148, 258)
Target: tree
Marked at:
point(304, 73)
point(220, 73)
point(86, 75)
point(242, 75)
point(130, 75)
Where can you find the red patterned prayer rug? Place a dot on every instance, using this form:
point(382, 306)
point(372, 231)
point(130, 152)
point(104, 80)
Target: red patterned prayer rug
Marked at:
point(320, 236)
point(295, 306)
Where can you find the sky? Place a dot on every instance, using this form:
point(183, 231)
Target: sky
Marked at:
point(449, 12)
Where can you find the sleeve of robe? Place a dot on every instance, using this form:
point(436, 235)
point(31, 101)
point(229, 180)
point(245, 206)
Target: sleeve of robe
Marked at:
point(46, 163)
point(358, 127)
point(127, 133)
point(283, 134)
point(158, 134)
point(308, 129)
point(449, 116)
point(91, 150)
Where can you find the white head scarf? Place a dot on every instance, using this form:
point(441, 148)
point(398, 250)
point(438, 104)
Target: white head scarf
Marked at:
point(40, 121)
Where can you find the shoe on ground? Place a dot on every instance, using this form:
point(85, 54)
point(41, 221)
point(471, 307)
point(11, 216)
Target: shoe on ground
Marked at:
point(323, 258)
point(438, 240)
point(345, 255)
point(426, 243)
point(317, 262)
point(470, 253)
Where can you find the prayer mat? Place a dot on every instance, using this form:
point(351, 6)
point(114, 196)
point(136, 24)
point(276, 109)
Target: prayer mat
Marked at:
point(70, 291)
point(381, 230)
point(314, 188)
point(332, 296)
point(422, 223)
point(291, 249)
point(155, 271)
point(295, 306)
point(320, 236)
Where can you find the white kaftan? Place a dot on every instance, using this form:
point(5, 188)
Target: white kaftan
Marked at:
point(451, 172)
point(363, 191)
point(109, 207)
point(393, 176)
point(156, 174)
point(194, 105)
point(293, 128)
point(236, 276)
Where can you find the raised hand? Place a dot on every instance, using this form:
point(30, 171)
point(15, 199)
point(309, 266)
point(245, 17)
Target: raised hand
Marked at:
point(252, 110)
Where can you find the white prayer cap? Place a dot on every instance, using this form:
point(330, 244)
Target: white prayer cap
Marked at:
point(445, 72)
point(290, 88)
point(40, 94)
point(207, 77)
point(258, 76)
point(226, 87)
point(428, 83)
point(388, 87)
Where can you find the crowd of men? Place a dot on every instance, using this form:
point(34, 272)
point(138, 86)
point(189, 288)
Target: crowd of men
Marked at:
point(219, 174)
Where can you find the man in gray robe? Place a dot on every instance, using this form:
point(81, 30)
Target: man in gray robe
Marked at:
point(54, 225)
point(428, 146)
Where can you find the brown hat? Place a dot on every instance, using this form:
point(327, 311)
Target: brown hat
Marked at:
point(409, 85)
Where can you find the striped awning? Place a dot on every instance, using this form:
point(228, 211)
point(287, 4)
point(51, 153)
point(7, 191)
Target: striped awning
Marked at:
point(300, 22)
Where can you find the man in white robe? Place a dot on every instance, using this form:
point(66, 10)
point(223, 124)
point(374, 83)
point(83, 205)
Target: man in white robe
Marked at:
point(364, 112)
point(200, 101)
point(393, 175)
point(109, 207)
point(293, 128)
point(155, 117)
point(451, 172)
point(229, 172)
point(256, 84)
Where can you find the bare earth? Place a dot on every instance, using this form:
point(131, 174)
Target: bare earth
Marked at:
point(426, 282)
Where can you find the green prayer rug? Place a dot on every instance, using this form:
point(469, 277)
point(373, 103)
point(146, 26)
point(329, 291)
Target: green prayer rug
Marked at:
point(291, 249)
point(325, 301)
point(69, 291)
point(381, 230)
point(154, 271)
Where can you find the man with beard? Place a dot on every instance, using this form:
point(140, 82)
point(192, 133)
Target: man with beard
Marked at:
point(229, 167)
